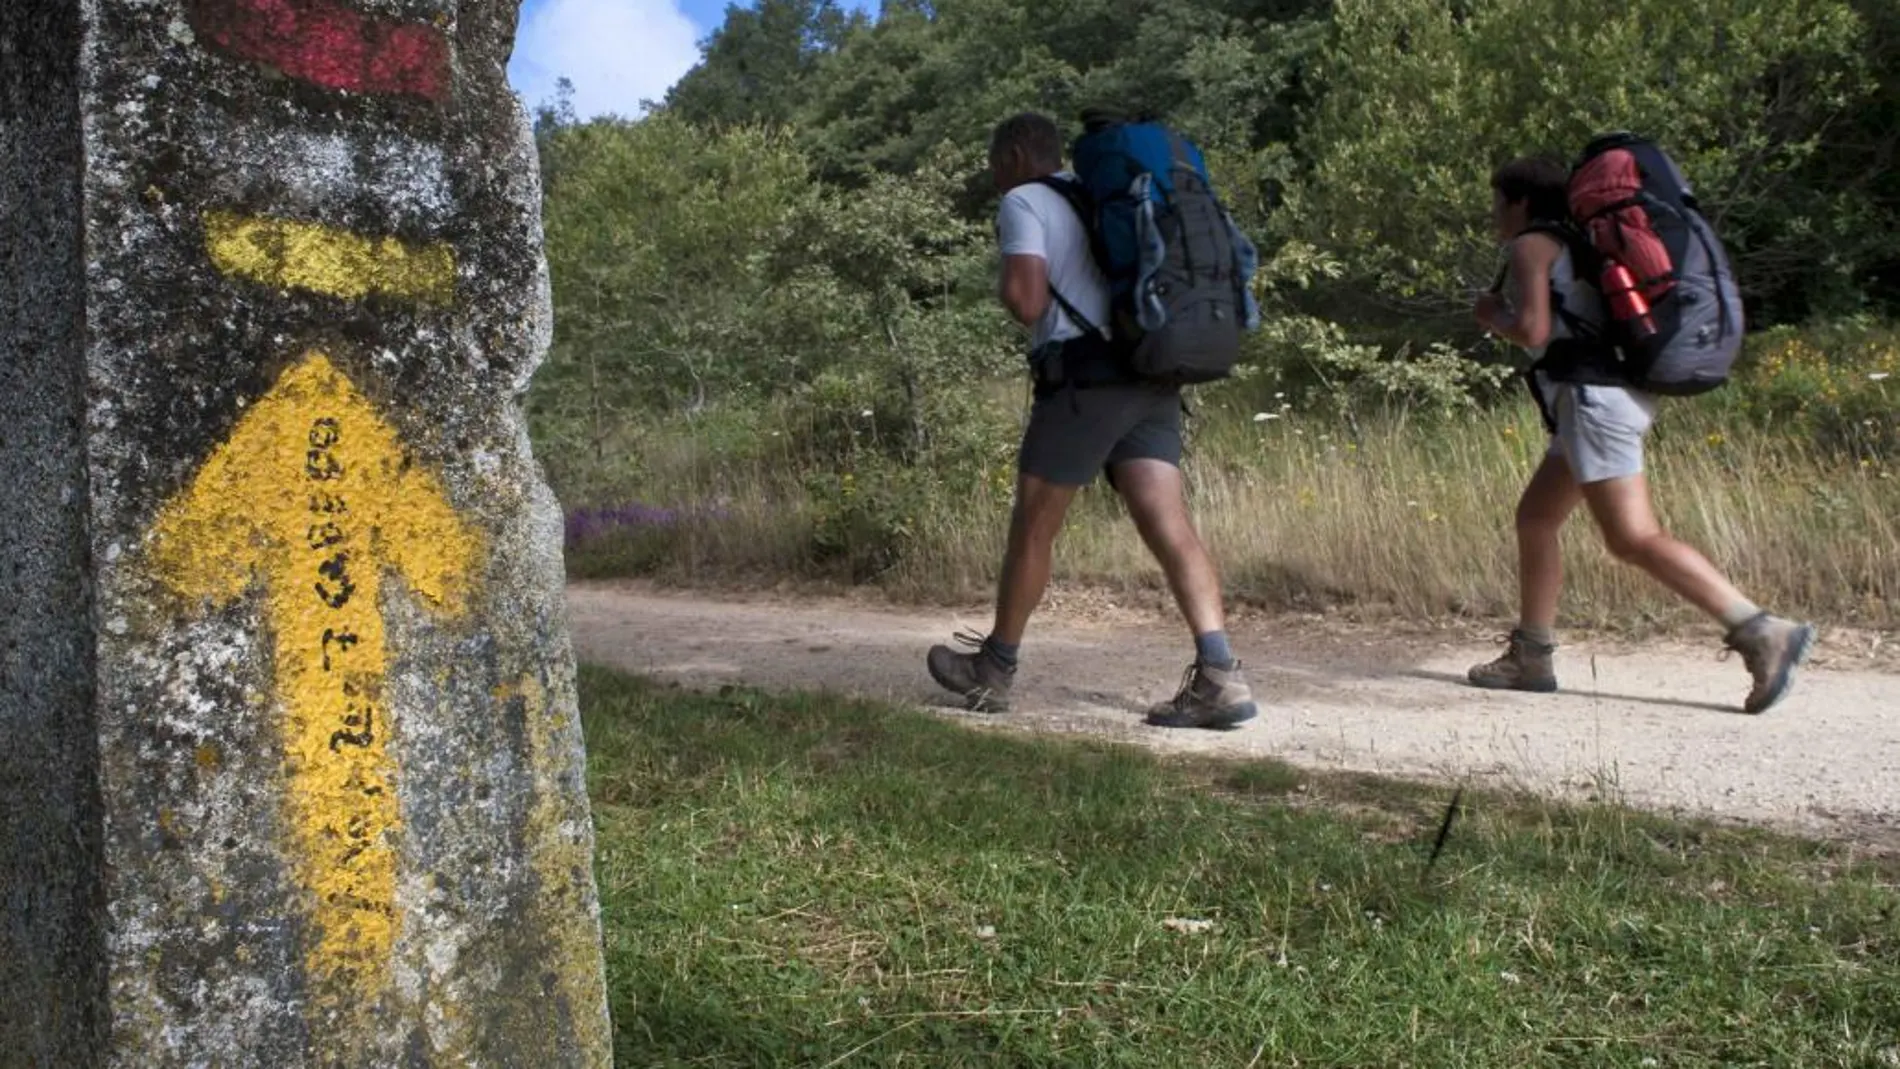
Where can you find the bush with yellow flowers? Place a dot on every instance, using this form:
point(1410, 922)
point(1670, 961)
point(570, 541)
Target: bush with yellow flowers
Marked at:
point(1834, 385)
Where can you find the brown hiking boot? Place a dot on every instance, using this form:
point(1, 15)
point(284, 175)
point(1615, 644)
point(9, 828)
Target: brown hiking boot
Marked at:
point(1524, 666)
point(976, 676)
point(1210, 697)
point(1772, 648)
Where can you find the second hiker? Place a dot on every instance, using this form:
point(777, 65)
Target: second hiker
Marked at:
point(1598, 413)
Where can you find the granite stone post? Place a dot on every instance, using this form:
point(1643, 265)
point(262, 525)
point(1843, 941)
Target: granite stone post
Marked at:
point(290, 763)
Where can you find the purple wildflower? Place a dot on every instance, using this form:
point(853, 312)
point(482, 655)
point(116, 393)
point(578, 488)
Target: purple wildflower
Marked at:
point(587, 524)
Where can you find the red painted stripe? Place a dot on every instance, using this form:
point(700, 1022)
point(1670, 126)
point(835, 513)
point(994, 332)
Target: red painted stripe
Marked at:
point(330, 45)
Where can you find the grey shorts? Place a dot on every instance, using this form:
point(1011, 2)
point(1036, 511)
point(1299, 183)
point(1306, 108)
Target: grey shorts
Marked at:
point(1075, 433)
point(1600, 429)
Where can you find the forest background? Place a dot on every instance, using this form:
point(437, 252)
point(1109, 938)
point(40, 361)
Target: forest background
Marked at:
point(779, 357)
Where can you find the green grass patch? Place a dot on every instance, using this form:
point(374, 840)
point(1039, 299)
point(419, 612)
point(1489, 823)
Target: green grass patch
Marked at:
point(801, 880)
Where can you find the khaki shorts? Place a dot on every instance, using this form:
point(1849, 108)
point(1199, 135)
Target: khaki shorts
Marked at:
point(1600, 429)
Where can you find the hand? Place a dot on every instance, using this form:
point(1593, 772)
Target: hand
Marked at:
point(1488, 310)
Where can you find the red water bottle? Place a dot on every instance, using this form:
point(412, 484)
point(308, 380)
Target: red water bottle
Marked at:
point(1627, 303)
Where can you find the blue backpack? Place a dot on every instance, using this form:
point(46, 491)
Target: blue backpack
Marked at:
point(1178, 269)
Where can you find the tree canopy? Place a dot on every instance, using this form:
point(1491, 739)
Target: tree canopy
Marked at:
point(804, 215)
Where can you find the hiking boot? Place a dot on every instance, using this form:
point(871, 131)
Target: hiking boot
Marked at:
point(1772, 648)
point(1524, 666)
point(1210, 697)
point(975, 675)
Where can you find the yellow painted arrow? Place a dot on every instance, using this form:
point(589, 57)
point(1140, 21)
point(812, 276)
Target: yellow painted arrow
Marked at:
point(313, 500)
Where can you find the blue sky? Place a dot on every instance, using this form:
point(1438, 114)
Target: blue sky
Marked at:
point(616, 52)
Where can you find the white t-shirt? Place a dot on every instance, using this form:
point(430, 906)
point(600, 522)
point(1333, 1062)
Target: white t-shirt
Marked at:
point(1035, 220)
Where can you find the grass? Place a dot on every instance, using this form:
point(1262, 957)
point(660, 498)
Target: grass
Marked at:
point(1389, 514)
point(801, 880)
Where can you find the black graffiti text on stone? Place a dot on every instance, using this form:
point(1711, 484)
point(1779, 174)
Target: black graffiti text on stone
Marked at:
point(328, 504)
point(322, 466)
point(334, 588)
point(359, 715)
point(363, 719)
point(357, 832)
point(326, 432)
point(320, 463)
point(343, 640)
point(336, 570)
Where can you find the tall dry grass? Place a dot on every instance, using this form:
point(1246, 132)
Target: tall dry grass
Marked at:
point(1409, 517)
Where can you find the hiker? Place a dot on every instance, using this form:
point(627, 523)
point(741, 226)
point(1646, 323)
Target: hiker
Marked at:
point(1093, 414)
point(1598, 421)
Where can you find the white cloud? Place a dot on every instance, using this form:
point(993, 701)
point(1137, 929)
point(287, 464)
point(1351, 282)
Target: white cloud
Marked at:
point(616, 52)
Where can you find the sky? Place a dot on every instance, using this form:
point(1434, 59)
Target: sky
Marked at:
point(616, 52)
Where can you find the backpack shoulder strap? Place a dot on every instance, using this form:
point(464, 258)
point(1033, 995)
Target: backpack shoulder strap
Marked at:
point(1582, 258)
point(1078, 201)
point(1075, 316)
point(1569, 236)
point(1072, 192)
point(1561, 229)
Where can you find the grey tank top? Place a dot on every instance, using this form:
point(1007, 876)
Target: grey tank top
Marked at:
point(1584, 304)
point(1570, 299)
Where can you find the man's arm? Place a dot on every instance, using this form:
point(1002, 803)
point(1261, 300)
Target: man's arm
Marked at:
point(1024, 239)
point(1025, 288)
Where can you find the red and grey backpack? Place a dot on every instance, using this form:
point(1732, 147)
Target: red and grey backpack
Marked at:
point(1675, 309)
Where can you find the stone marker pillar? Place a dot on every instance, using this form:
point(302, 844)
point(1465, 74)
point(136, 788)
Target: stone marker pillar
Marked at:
point(290, 763)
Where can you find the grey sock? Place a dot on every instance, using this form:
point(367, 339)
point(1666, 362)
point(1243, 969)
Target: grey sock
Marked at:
point(1739, 613)
point(1540, 635)
point(1212, 649)
point(1004, 653)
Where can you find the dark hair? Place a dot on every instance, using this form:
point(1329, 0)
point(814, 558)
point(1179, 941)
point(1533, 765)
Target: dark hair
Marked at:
point(1542, 181)
point(1033, 135)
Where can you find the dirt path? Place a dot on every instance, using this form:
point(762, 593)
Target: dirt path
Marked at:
point(1654, 726)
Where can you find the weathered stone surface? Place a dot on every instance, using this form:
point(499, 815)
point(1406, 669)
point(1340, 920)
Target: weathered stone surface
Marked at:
point(52, 969)
point(324, 730)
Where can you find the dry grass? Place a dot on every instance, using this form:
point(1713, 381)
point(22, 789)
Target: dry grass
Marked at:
point(1409, 517)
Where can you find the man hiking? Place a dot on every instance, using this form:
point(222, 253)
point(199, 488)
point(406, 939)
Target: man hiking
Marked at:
point(1097, 417)
point(1596, 451)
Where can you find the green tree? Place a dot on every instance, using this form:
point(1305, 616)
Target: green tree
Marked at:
point(758, 65)
point(698, 270)
point(928, 73)
point(659, 240)
point(925, 275)
point(1421, 99)
point(802, 232)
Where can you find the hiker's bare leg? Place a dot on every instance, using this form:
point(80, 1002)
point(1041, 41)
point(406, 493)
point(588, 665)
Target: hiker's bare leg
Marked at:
point(1215, 693)
point(1033, 526)
point(1156, 498)
point(1548, 501)
point(1631, 531)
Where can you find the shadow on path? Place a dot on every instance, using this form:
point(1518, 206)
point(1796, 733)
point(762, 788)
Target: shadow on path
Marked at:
point(1595, 695)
